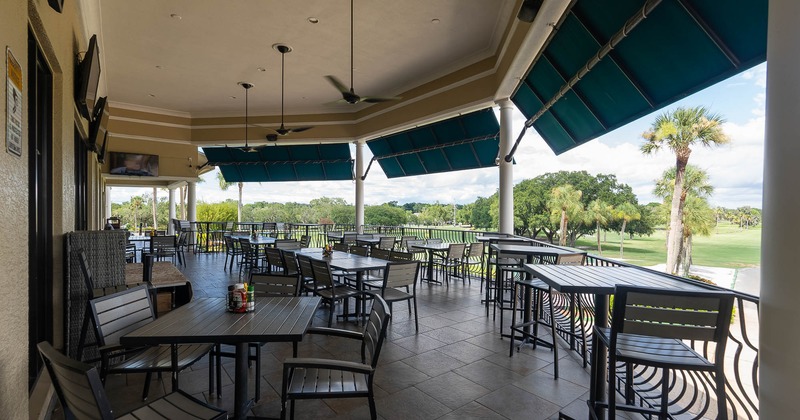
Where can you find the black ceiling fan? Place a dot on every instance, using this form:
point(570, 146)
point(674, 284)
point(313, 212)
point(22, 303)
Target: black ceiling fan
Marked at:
point(349, 95)
point(282, 130)
point(247, 148)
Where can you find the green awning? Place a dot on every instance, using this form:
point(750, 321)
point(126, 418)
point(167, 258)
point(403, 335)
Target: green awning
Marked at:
point(464, 142)
point(323, 162)
point(681, 47)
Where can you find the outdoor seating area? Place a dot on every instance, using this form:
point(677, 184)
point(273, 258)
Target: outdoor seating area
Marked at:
point(518, 345)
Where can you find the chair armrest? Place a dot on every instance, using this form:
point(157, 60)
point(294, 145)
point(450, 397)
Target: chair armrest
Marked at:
point(326, 364)
point(336, 332)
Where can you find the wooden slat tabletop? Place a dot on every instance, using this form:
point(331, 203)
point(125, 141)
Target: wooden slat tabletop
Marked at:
point(207, 321)
point(602, 280)
point(533, 250)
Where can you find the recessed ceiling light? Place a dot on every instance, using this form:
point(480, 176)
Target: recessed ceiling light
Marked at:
point(312, 19)
point(233, 97)
point(434, 21)
point(151, 95)
point(175, 16)
point(158, 67)
point(262, 69)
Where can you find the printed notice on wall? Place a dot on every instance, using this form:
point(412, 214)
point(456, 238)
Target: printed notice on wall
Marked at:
point(13, 105)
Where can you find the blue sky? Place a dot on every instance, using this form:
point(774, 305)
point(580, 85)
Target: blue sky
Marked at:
point(735, 170)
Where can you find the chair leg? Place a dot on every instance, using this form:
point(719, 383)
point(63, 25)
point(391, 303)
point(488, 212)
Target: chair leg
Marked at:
point(553, 333)
point(219, 371)
point(664, 394)
point(722, 403)
point(612, 384)
point(513, 320)
point(258, 371)
point(211, 370)
point(416, 318)
point(373, 413)
point(146, 389)
point(84, 329)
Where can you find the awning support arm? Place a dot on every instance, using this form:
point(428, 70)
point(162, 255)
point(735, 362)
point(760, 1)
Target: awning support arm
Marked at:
point(602, 53)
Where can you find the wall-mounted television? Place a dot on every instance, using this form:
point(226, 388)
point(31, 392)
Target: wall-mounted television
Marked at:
point(87, 79)
point(98, 124)
point(134, 164)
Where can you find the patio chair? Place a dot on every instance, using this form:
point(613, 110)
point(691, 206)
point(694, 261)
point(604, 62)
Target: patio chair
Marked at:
point(305, 241)
point(180, 247)
point(404, 242)
point(400, 283)
point(250, 257)
point(81, 393)
point(275, 263)
point(473, 257)
point(329, 291)
point(341, 246)
point(232, 251)
point(163, 246)
point(264, 285)
point(651, 327)
point(290, 263)
point(288, 244)
point(307, 283)
point(119, 313)
point(450, 262)
point(308, 378)
point(401, 256)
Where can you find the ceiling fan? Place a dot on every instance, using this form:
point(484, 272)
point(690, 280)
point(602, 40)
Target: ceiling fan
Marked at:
point(349, 95)
point(247, 148)
point(282, 130)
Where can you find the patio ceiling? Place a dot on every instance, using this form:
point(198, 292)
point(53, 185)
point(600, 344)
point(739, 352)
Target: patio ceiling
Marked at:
point(464, 142)
point(681, 47)
point(323, 162)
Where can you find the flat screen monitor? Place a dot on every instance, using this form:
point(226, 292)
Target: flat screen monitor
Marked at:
point(87, 79)
point(133, 164)
point(101, 155)
point(98, 125)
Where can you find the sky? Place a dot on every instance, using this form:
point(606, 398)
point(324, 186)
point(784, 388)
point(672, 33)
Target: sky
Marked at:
point(735, 170)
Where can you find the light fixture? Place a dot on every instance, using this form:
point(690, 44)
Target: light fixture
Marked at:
point(435, 21)
point(175, 16)
point(529, 10)
point(312, 19)
point(246, 87)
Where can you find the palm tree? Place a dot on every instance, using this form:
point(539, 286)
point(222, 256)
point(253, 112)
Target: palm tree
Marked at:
point(224, 185)
point(678, 131)
point(599, 212)
point(625, 212)
point(565, 202)
point(155, 208)
point(136, 204)
point(696, 185)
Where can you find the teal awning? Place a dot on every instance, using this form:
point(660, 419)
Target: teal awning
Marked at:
point(323, 162)
point(464, 142)
point(681, 47)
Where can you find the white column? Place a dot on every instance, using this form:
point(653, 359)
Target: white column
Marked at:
point(191, 198)
point(780, 313)
point(171, 227)
point(506, 188)
point(107, 203)
point(359, 186)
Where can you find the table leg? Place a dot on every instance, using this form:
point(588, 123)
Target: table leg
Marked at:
point(241, 403)
point(599, 362)
point(430, 265)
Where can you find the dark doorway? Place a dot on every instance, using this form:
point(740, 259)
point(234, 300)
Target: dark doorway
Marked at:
point(40, 216)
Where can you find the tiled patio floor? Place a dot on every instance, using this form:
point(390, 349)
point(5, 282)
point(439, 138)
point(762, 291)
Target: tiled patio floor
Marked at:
point(456, 367)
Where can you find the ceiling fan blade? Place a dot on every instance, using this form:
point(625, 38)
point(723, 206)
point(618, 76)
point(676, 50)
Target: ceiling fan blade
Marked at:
point(300, 129)
point(338, 84)
point(377, 99)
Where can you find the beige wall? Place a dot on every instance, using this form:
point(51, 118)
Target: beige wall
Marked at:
point(56, 35)
point(13, 222)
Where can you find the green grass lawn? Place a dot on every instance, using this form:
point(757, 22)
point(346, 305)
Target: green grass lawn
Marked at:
point(728, 246)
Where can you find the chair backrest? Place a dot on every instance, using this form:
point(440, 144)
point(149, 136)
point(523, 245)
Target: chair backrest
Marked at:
point(275, 259)
point(434, 240)
point(404, 241)
point(290, 262)
point(350, 238)
point(304, 262)
point(183, 239)
point(359, 250)
point(570, 259)
point(375, 330)
point(322, 273)
point(120, 313)
point(680, 314)
point(305, 241)
point(274, 285)
point(341, 246)
point(475, 250)
point(247, 248)
point(400, 274)
point(230, 244)
point(77, 385)
point(412, 243)
point(380, 253)
point(401, 256)
point(161, 242)
point(386, 242)
point(455, 251)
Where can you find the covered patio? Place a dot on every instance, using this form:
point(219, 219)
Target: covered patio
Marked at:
point(575, 69)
